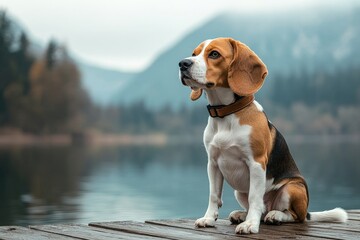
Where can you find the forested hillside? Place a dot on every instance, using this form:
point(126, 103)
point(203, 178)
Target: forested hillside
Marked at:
point(38, 94)
point(319, 103)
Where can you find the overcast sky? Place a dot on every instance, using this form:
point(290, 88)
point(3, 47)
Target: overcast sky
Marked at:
point(129, 34)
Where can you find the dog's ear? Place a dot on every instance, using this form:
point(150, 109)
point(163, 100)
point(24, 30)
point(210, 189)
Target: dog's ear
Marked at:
point(247, 72)
point(195, 94)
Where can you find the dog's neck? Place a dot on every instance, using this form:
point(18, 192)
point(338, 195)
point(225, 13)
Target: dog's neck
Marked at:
point(220, 96)
point(223, 102)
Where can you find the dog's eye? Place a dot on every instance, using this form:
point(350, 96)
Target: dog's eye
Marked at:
point(193, 55)
point(214, 54)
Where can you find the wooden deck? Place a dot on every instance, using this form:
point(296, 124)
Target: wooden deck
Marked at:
point(183, 229)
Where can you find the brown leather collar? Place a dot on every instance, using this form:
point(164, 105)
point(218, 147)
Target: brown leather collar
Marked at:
point(221, 111)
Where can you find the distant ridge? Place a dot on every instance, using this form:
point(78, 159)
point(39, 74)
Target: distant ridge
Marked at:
point(291, 42)
point(102, 83)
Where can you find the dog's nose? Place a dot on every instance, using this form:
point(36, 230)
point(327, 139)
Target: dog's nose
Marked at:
point(185, 64)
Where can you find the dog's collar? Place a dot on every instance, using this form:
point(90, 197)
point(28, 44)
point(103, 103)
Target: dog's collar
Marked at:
point(221, 111)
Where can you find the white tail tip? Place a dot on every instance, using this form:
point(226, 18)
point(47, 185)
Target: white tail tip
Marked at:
point(334, 215)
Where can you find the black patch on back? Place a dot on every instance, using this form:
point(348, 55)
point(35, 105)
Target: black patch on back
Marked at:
point(281, 164)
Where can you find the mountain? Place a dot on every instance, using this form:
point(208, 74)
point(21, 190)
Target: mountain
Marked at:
point(102, 83)
point(289, 43)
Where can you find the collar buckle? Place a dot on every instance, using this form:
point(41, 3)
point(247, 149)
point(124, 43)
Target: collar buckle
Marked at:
point(213, 111)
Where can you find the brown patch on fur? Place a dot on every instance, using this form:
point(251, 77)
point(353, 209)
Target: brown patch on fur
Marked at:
point(297, 191)
point(198, 49)
point(246, 71)
point(261, 140)
point(272, 135)
point(217, 69)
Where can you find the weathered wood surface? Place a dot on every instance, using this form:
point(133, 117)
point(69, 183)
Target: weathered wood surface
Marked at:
point(87, 232)
point(183, 229)
point(22, 233)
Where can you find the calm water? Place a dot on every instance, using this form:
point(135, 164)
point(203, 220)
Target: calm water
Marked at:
point(81, 184)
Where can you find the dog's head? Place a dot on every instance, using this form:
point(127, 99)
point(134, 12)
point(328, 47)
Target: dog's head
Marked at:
point(223, 62)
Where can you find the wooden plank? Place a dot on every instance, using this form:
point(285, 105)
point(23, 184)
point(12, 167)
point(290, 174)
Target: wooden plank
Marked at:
point(344, 227)
point(22, 233)
point(311, 230)
point(301, 232)
point(354, 216)
point(224, 228)
point(184, 229)
point(350, 225)
point(158, 231)
point(349, 230)
point(357, 211)
point(88, 233)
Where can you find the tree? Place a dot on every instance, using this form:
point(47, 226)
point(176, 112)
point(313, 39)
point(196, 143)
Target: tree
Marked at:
point(56, 92)
point(6, 68)
point(39, 95)
point(50, 54)
point(15, 62)
point(24, 60)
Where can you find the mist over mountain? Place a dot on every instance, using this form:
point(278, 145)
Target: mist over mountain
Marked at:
point(102, 83)
point(289, 44)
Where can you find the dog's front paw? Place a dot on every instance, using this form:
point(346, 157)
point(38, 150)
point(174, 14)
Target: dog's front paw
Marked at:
point(248, 226)
point(237, 217)
point(205, 222)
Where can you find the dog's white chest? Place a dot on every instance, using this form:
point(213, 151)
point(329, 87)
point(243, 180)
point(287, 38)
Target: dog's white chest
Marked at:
point(227, 143)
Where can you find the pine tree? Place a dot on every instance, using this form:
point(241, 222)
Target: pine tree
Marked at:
point(6, 73)
point(50, 54)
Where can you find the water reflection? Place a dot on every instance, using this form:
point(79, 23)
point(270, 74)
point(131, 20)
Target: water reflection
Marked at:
point(82, 184)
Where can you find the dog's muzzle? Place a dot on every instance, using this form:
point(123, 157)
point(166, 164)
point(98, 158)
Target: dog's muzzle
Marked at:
point(185, 66)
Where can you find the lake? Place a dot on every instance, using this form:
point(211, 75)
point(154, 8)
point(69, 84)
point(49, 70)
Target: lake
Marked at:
point(81, 184)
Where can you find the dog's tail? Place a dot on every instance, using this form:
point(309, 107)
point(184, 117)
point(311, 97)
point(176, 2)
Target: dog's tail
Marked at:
point(334, 215)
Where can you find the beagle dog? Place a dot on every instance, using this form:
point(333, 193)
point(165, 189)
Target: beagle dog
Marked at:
point(242, 145)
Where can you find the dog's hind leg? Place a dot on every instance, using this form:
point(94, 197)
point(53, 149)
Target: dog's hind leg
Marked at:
point(239, 216)
point(289, 205)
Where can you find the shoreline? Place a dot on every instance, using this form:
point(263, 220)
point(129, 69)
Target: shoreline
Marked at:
point(98, 139)
point(151, 139)
point(290, 139)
